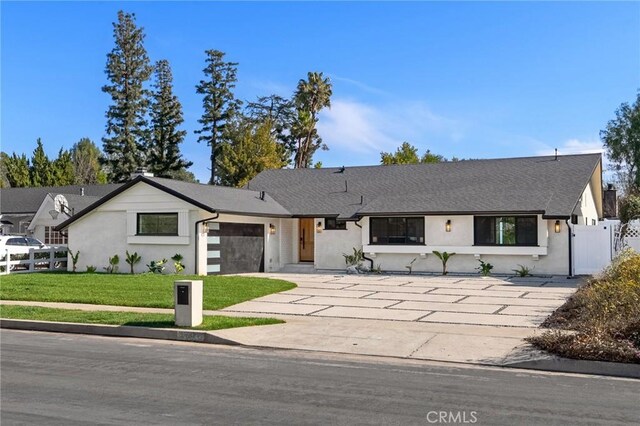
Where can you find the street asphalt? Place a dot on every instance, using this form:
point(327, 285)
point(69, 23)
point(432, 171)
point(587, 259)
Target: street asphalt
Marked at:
point(49, 378)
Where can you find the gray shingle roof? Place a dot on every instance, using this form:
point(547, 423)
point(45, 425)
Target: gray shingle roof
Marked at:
point(28, 200)
point(529, 184)
point(224, 199)
point(218, 199)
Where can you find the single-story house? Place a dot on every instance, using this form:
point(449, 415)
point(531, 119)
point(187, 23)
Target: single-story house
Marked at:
point(29, 211)
point(508, 212)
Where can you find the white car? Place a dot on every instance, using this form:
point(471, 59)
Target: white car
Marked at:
point(18, 246)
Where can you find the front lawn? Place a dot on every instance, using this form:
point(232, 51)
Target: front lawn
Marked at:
point(601, 321)
point(125, 318)
point(144, 290)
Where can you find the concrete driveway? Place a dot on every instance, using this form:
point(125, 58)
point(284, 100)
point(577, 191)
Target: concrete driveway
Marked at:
point(454, 318)
point(508, 302)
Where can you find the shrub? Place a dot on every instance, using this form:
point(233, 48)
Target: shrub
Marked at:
point(114, 261)
point(157, 266)
point(91, 269)
point(74, 259)
point(523, 271)
point(605, 315)
point(484, 268)
point(354, 259)
point(177, 263)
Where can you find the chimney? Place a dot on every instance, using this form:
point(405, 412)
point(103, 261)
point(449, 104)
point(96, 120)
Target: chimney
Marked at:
point(141, 171)
point(610, 202)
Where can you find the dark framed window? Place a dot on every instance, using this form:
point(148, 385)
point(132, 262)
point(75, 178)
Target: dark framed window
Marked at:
point(505, 230)
point(157, 224)
point(333, 223)
point(396, 230)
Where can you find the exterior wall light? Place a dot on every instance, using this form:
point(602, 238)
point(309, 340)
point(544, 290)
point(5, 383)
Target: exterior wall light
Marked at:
point(272, 229)
point(447, 226)
point(319, 227)
point(557, 227)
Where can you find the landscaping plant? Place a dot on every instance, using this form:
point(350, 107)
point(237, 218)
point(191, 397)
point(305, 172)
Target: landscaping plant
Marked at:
point(74, 259)
point(113, 264)
point(410, 265)
point(484, 268)
point(91, 269)
point(177, 263)
point(157, 266)
point(354, 259)
point(601, 321)
point(523, 271)
point(444, 257)
point(132, 259)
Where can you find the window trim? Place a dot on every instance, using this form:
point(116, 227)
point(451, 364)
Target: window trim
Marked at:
point(334, 227)
point(424, 239)
point(140, 214)
point(475, 234)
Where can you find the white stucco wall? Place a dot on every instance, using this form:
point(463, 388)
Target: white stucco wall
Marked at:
point(330, 244)
point(551, 256)
point(110, 229)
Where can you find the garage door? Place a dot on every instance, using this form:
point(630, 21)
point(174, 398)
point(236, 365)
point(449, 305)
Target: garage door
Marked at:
point(234, 248)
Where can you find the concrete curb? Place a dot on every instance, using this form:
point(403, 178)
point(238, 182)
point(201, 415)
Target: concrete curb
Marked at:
point(530, 362)
point(580, 366)
point(194, 336)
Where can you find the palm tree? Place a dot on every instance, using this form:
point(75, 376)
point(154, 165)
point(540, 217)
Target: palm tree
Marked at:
point(311, 96)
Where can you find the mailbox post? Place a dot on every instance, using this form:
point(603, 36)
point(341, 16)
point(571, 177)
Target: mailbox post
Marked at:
point(188, 302)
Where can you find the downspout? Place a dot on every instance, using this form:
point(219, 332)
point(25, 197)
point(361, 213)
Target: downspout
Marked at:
point(198, 222)
point(363, 256)
point(570, 248)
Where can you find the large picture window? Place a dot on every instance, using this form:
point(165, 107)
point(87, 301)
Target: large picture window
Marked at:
point(157, 224)
point(505, 230)
point(397, 230)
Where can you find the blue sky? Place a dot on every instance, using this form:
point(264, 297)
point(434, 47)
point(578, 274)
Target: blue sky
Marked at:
point(478, 80)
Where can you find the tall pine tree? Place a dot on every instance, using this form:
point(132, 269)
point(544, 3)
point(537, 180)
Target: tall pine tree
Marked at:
point(219, 103)
point(127, 69)
point(41, 168)
point(17, 169)
point(163, 154)
point(63, 173)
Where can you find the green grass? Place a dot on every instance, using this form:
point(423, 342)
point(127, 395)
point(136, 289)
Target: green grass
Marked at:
point(144, 290)
point(125, 318)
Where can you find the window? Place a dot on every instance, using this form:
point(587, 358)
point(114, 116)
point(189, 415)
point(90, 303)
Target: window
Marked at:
point(333, 223)
point(157, 224)
point(54, 237)
point(506, 230)
point(397, 230)
point(16, 242)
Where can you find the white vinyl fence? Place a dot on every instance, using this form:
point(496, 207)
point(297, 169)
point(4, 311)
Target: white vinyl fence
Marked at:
point(46, 259)
point(593, 247)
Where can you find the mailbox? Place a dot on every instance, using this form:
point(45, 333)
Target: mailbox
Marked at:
point(188, 303)
point(183, 295)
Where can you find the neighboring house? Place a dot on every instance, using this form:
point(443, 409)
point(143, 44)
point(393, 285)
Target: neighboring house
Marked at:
point(25, 211)
point(509, 212)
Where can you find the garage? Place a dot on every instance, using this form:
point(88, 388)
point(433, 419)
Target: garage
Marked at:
point(234, 248)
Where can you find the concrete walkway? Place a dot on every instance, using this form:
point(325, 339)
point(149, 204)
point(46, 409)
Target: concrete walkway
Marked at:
point(512, 302)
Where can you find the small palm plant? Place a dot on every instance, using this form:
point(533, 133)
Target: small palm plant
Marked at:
point(74, 259)
point(132, 259)
point(113, 264)
point(444, 257)
point(484, 268)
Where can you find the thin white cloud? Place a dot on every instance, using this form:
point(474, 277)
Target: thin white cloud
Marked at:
point(573, 146)
point(352, 126)
point(360, 85)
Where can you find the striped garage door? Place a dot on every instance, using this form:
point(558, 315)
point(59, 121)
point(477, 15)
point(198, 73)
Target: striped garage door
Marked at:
point(235, 248)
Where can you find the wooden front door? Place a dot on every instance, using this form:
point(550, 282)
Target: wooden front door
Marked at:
point(307, 236)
